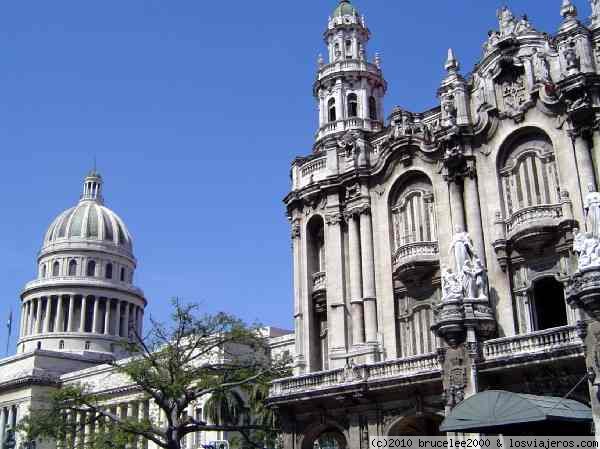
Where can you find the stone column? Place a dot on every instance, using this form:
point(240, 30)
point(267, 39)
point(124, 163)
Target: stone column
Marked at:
point(88, 434)
point(126, 319)
point(59, 322)
point(473, 212)
point(142, 412)
point(83, 313)
point(118, 319)
point(38, 316)
point(596, 150)
point(71, 320)
point(368, 275)
point(47, 314)
point(336, 313)
point(3, 413)
point(96, 316)
point(107, 316)
point(584, 163)
point(25, 329)
point(358, 334)
point(31, 329)
point(300, 357)
point(456, 205)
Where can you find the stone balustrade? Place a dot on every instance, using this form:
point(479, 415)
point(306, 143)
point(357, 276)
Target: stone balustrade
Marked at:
point(536, 342)
point(388, 370)
point(314, 166)
point(348, 124)
point(415, 256)
point(532, 215)
point(87, 281)
point(319, 281)
point(348, 65)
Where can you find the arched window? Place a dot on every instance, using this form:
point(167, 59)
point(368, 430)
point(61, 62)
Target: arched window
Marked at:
point(55, 269)
point(91, 268)
point(352, 105)
point(348, 49)
point(527, 174)
point(109, 271)
point(316, 268)
point(87, 345)
point(372, 108)
point(39, 345)
point(122, 274)
point(331, 110)
point(413, 213)
point(72, 268)
point(61, 344)
point(414, 329)
point(43, 272)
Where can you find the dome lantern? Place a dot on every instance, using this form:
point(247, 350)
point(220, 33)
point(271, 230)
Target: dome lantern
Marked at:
point(92, 187)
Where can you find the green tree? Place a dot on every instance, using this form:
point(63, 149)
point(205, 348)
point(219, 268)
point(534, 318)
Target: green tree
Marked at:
point(195, 356)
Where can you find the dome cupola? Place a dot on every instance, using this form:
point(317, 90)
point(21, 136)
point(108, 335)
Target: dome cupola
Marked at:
point(83, 300)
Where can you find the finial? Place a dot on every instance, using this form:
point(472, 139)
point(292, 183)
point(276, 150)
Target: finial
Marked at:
point(568, 10)
point(378, 60)
point(452, 65)
point(320, 60)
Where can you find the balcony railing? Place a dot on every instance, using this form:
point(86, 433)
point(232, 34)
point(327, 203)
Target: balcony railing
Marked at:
point(71, 281)
point(536, 342)
point(417, 252)
point(347, 65)
point(531, 215)
point(389, 370)
point(314, 166)
point(348, 124)
point(319, 281)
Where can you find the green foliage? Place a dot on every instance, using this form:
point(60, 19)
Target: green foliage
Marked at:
point(193, 357)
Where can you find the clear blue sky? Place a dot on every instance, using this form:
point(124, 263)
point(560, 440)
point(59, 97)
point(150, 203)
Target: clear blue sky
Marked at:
point(194, 110)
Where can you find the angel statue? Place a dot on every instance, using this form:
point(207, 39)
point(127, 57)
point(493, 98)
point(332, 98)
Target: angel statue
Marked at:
point(451, 285)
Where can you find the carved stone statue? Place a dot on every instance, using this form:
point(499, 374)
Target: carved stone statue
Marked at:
point(571, 58)
point(448, 111)
point(587, 248)
point(452, 288)
point(461, 249)
point(481, 280)
point(595, 10)
point(468, 280)
point(507, 21)
point(541, 67)
point(592, 211)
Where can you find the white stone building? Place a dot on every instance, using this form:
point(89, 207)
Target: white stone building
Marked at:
point(73, 315)
point(432, 250)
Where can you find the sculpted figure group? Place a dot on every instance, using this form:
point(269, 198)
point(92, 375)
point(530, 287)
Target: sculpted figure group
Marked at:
point(467, 278)
point(587, 244)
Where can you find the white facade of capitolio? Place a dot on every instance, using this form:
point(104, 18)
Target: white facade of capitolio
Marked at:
point(81, 305)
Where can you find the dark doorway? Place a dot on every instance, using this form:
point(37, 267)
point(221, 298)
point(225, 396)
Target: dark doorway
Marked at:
point(549, 304)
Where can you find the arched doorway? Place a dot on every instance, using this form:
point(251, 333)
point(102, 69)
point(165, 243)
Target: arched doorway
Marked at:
point(330, 438)
point(424, 425)
point(549, 308)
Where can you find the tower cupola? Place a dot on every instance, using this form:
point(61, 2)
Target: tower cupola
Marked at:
point(349, 88)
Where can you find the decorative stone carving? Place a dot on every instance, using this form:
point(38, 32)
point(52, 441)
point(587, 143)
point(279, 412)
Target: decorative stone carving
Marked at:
point(595, 4)
point(592, 211)
point(334, 219)
point(571, 59)
point(448, 111)
point(451, 285)
point(509, 26)
point(461, 250)
point(296, 231)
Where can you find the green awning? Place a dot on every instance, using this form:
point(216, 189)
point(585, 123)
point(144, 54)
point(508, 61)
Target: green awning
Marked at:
point(496, 408)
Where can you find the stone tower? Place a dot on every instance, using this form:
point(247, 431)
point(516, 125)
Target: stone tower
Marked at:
point(349, 89)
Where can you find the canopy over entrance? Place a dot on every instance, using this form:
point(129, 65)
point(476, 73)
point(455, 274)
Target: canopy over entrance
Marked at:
point(494, 409)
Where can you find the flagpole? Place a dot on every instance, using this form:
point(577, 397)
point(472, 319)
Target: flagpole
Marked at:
point(9, 326)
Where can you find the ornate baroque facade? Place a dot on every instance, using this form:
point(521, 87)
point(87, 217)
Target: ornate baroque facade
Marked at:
point(432, 251)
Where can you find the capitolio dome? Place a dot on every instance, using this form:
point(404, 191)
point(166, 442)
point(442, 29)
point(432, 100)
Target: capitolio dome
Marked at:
point(89, 221)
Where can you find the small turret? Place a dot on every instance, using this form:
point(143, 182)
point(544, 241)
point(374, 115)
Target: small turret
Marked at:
point(92, 187)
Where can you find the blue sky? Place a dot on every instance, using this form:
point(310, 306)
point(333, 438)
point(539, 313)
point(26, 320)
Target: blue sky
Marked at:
point(194, 110)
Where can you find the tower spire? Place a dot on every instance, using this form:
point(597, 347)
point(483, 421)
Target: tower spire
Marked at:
point(452, 65)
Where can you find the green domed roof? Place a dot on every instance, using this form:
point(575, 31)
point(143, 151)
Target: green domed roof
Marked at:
point(345, 8)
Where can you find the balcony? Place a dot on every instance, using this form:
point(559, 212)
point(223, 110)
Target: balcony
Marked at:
point(540, 344)
point(347, 65)
point(319, 290)
point(415, 260)
point(394, 371)
point(309, 171)
point(347, 125)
